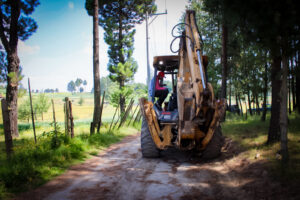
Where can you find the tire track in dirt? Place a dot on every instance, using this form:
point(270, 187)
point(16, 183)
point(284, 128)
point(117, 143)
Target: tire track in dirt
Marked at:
point(121, 173)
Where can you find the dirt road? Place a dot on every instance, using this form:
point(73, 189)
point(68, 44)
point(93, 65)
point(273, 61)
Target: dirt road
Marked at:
point(121, 173)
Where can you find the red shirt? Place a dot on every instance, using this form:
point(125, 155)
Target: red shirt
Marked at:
point(157, 86)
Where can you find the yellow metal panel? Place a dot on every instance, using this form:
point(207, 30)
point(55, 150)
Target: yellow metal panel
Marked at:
point(149, 114)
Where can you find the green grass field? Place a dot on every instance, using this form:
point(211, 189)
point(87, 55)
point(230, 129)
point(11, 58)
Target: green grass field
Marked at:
point(82, 114)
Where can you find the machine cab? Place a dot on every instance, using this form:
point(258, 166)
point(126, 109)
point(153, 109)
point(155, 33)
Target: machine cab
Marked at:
point(169, 65)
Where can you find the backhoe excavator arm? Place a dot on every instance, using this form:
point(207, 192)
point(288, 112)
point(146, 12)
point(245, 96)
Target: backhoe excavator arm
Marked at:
point(196, 105)
point(198, 113)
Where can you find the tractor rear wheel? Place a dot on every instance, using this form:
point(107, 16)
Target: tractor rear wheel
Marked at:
point(149, 149)
point(213, 149)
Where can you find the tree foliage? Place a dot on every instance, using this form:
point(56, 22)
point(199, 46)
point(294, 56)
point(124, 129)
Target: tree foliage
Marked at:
point(118, 19)
point(76, 85)
point(114, 97)
point(26, 26)
point(42, 104)
point(84, 83)
point(24, 111)
point(3, 66)
point(81, 89)
point(71, 86)
point(268, 30)
point(78, 82)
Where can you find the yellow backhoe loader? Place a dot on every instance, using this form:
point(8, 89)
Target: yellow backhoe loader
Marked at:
point(190, 120)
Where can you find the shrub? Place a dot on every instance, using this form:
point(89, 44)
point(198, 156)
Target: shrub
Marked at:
point(24, 110)
point(81, 101)
point(32, 163)
point(2, 190)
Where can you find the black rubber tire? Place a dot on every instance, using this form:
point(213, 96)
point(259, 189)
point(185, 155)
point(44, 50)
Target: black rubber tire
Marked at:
point(213, 149)
point(149, 149)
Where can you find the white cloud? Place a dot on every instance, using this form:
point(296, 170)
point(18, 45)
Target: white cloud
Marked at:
point(71, 5)
point(25, 49)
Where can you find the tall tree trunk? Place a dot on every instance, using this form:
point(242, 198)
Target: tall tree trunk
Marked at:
point(224, 60)
point(230, 94)
point(13, 71)
point(283, 106)
point(246, 109)
point(289, 92)
point(274, 127)
point(249, 103)
point(13, 68)
point(298, 84)
point(12, 92)
point(263, 117)
point(6, 126)
point(121, 60)
point(289, 79)
point(122, 99)
point(96, 70)
point(257, 105)
point(237, 103)
point(241, 105)
point(293, 84)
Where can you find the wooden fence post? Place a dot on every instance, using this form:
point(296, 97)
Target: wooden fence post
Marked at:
point(71, 119)
point(7, 130)
point(117, 120)
point(54, 118)
point(132, 115)
point(101, 109)
point(123, 119)
point(136, 117)
point(66, 108)
point(65, 117)
point(112, 121)
point(120, 116)
point(32, 116)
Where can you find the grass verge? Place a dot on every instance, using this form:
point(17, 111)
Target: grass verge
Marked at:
point(33, 164)
point(252, 135)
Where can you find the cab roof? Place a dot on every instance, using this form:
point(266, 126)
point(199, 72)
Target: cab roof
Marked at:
point(166, 63)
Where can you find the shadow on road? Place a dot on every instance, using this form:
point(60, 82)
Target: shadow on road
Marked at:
point(230, 149)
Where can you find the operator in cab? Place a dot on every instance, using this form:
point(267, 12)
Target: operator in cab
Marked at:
point(160, 91)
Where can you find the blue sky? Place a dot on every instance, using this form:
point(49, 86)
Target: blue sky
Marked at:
point(61, 49)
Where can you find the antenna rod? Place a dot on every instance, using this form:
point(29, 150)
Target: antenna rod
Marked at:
point(147, 47)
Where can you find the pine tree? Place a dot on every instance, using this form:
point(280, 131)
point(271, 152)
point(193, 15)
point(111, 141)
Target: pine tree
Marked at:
point(15, 24)
point(118, 19)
